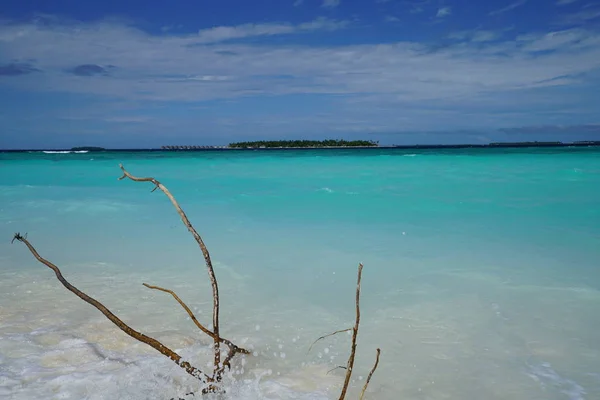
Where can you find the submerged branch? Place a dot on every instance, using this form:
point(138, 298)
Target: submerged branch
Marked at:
point(209, 266)
point(364, 389)
point(193, 371)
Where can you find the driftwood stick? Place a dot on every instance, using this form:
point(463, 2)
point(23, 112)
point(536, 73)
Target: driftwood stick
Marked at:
point(326, 336)
point(364, 389)
point(209, 266)
point(350, 364)
point(232, 346)
point(193, 371)
point(185, 307)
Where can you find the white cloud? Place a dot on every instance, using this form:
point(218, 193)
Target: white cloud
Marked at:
point(485, 36)
point(443, 12)
point(223, 33)
point(202, 67)
point(567, 39)
point(476, 35)
point(417, 6)
point(331, 3)
point(583, 16)
point(509, 7)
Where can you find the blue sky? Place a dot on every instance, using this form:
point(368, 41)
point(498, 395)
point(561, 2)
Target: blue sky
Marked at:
point(148, 73)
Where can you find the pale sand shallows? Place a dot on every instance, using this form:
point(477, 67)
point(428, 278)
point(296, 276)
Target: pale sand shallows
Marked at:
point(444, 335)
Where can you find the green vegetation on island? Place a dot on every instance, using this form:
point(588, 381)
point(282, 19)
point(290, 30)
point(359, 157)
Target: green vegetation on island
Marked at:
point(260, 144)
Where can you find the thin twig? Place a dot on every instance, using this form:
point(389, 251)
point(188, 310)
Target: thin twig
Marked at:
point(326, 336)
point(185, 307)
point(195, 372)
point(232, 346)
point(364, 389)
point(209, 266)
point(354, 335)
point(333, 369)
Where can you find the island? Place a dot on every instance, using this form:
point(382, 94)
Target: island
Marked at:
point(280, 144)
point(365, 144)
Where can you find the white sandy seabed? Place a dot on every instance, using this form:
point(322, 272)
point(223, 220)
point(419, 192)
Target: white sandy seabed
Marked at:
point(485, 338)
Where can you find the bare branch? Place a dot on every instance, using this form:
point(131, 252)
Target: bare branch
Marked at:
point(364, 389)
point(333, 369)
point(350, 364)
point(185, 307)
point(209, 266)
point(193, 371)
point(326, 336)
point(233, 347)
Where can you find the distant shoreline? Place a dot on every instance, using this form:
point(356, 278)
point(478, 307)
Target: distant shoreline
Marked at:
point(398, 147)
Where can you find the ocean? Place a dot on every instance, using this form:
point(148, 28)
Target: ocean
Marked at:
point(481, 272)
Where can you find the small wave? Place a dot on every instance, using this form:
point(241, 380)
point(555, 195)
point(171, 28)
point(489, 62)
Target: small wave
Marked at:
point(409, 155)
point(64, 151)
point(326, 189)
point(546, 376)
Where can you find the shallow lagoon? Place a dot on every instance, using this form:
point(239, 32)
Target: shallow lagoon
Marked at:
point(481, 274)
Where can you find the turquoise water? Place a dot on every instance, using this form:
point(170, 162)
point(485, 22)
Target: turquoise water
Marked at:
point(481, 274)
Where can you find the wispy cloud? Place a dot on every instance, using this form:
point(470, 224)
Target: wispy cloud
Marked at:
point(331, 3)
point(224, 33)
point(417, 6)
point(509, 7)
point(298, 3)
point(553, 129)
point(16, 69)
point(443, 12)
point(476, 35)
point(90, 70)
point(583, 16)
point(564, 2)
point(571, 39)
point(391, 18)
point(200, 67)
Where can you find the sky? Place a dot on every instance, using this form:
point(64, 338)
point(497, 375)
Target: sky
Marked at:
point(148, 73)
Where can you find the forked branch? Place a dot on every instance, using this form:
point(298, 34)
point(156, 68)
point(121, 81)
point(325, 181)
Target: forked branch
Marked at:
point(185, 307)
point(209, 266)
point(350, 364)
point(233, 348)
point(193, 371)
